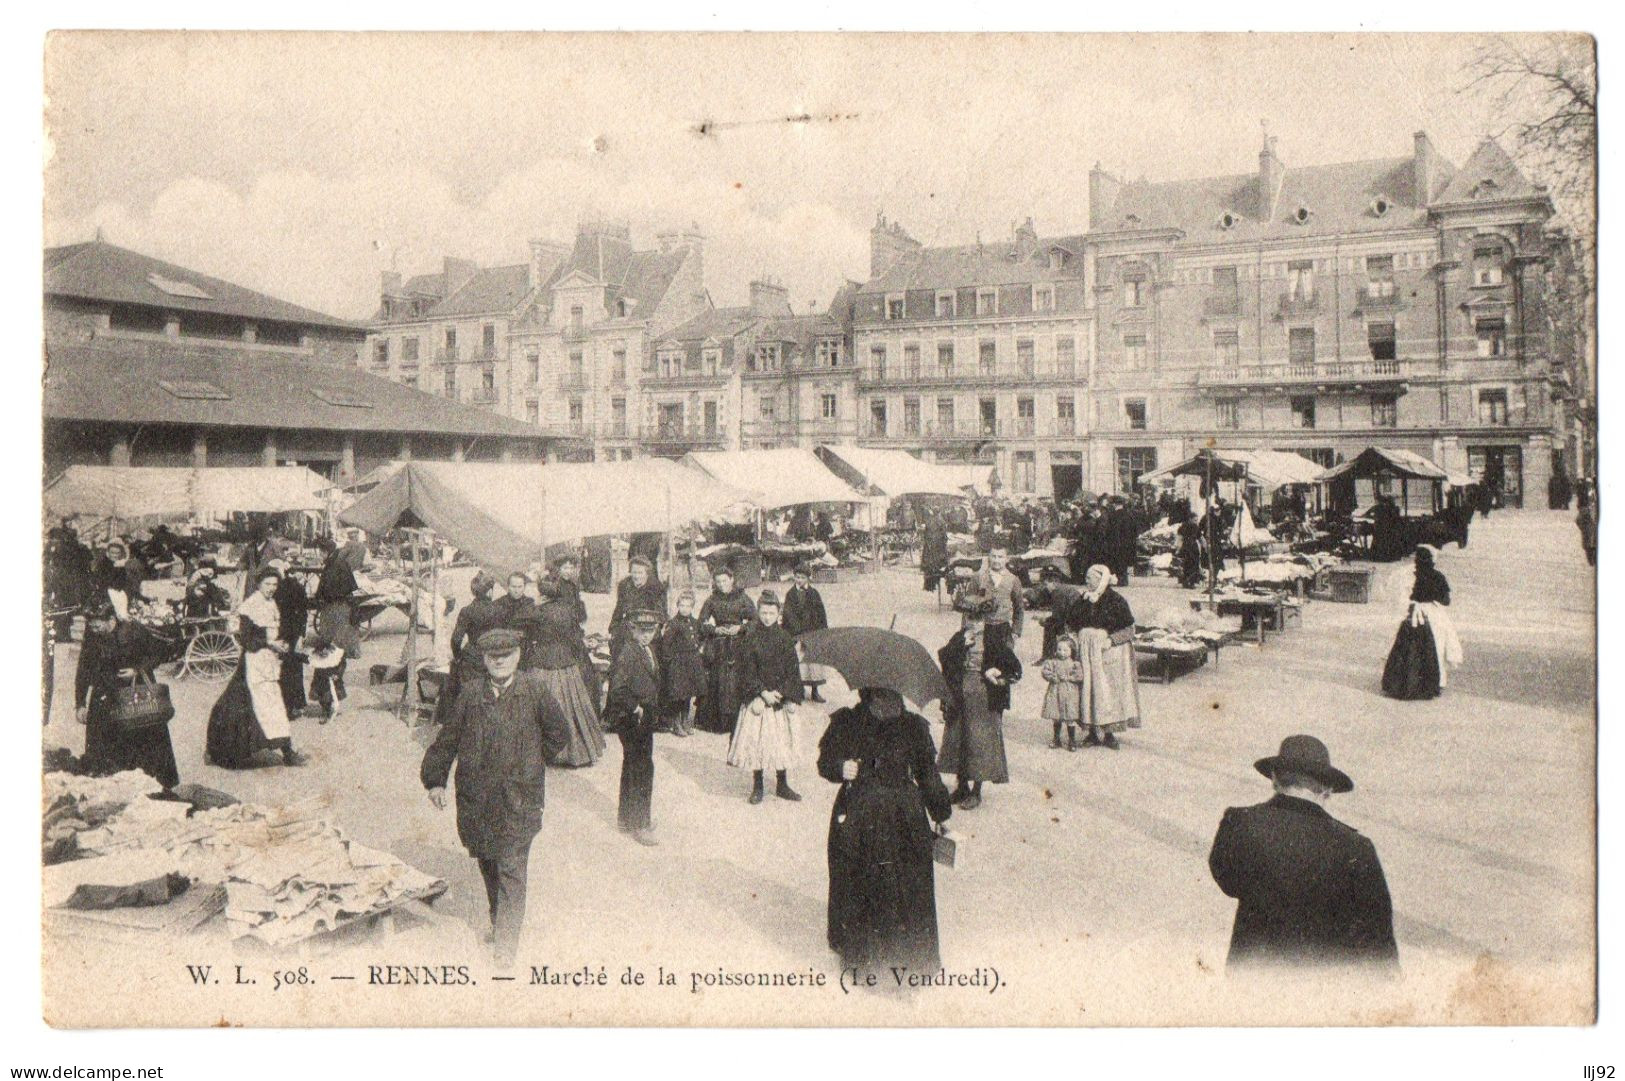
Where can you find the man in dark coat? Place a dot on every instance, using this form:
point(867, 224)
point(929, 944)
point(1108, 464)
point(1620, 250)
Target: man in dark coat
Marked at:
point(933, 551)
point(501, 734)
point(1311, 889)
point(631, 711)
point(335, 619)
point(803, 605)
point(293, 607)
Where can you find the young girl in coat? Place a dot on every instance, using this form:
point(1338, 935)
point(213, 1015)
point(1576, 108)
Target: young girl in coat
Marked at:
point(682, 671)
point(1063, 701)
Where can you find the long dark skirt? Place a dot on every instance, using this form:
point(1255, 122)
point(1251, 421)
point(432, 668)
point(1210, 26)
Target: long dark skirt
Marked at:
point(719, 707)
point(235, 737)
point(292, 682)
point(882, 883)
point(973, 738)
point(111, 749)
point(1412, 670)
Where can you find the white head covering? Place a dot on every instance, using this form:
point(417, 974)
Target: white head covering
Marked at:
point(1104, 577)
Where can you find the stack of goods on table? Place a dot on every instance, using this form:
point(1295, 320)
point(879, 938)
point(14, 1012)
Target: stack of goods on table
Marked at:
point(1281, 571)
point(1029, 565)
point(853, 547)
point(1176, 629)
point(154, 613)
point(779, 558)
point(166, 867)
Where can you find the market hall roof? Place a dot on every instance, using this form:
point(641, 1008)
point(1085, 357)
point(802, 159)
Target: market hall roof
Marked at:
point(99, 271)
point(157, 383)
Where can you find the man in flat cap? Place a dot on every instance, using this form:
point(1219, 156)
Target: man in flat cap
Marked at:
point(631, 712)
point(1311, 889)
point(502, 731)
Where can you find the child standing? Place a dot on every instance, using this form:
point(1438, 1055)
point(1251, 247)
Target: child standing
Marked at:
point(682, 671)
point(1063, 701)
point(770, 687)
point(327, 678)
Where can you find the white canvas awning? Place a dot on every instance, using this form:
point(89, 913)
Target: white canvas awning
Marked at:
point(787, 477)
point(897, 473)
point(129, 492)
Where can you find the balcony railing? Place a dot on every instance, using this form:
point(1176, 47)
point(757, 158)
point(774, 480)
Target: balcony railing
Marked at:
point(1379, 295)
point(573, 333)
point(687, 379)
point(1225, 304)
point(683, 434)
point(1305, 372)
point(1013, 373)
point(573, 381)
point(1299, 303)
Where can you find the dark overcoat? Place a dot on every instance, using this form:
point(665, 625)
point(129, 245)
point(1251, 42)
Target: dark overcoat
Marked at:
point(651, 596)
point(501, 746)
point(882, 885)
point(804, 611)
point(1310, 889)
point(996, 653)
point(768, 662)
point(634, 684)
point(682, 672)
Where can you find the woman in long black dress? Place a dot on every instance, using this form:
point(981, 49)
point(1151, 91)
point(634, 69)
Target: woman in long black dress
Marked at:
point(980, 669)
point(249, 716)
point(114, 655)
point(1426, 643)
point(723, 619)
point(882, 885)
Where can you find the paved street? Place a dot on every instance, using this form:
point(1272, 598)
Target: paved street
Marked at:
point(1084, 880)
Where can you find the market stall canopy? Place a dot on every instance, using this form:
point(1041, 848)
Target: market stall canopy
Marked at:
point(506, 515)
point(1224, 465)
point(1381, 461)
point(105, 491)
point(786, 477)
point(1276, 468)
point(895, 472)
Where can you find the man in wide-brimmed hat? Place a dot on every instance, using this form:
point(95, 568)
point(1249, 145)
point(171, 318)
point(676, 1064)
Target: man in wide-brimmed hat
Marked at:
point(1311, 889)
point(502, 732)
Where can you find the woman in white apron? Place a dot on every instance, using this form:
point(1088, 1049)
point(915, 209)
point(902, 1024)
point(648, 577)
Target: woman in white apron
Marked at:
point(250, 716)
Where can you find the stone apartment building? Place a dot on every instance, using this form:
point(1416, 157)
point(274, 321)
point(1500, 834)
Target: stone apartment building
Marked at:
point(980, 352)
point(1399, 302)
point(559, 341)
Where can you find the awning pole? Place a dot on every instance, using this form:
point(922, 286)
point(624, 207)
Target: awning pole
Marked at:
point(1212, 568)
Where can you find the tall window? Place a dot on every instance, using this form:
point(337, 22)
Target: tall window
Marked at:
point(670, 419)
point(1134, 414)
point(1380, 337)
point(448, 381)
point(1379, 276)
point(1489, 264)
point(451, 343)
point(1066, 415)
point(577, 415)
point(533, 367)
point(577, 315)
point(827, 407)
point(533, 411)
point(578, 366)
point(409, 350)
point(989, 409)
point(945, 358)
point(911, 416)
point(380, 353)
point(1227, 349)
point(1492, 336)
point(1066, 356)
point(1024, 356)
point(1301, 349)
point(488, 378)
point(1135, 292)
point(617, 364)
point(1024, 471)
point(1136, 353)
point(1227, 413)
point(945, 414)
point(1226, 288)
point(1300, 280)
point(987, 302)
point(1384, 411)
point(617, 417)
point(769, 406)
point(1132, 463)
point(1026, 416)
point(877, 362)
point(987, 357)
point(945, 305)
point(911, 360)
point(1492, 407)
point(711, 414)
point(1043, 298)
point(894, 307)
point(877, 416)
point(1303, 412)
point(488, 338)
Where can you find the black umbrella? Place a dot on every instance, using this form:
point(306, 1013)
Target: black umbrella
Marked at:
point(871, 657)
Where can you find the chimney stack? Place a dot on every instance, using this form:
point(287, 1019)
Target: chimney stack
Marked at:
point(1425, 168)
point(1103, 189)
point(1270, 174)
point(544, 256)
point(769, 298)
point(889, 244)
point(391, 283)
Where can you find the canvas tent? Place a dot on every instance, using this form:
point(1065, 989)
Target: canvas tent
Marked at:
point(1268, 469)
point(128, 492)
point(786, 477)
point(894, 473)
point(1416, 483)
point(506, 515)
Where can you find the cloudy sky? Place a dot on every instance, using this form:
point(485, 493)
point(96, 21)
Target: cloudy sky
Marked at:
point(303, 165)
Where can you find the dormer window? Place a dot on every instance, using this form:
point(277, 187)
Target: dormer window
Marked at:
point(945, 305)
point(1057, 258)
point(1043, 298)
point(1300, 216)
point(620, 309)
point(1227, 220)
point(1379, 206)
point(1488, 264)
point(894, 306)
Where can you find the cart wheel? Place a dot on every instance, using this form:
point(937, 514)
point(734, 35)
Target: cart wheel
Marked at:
point(212, 656)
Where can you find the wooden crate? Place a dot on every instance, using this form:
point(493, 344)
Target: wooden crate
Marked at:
point(1345, 585)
